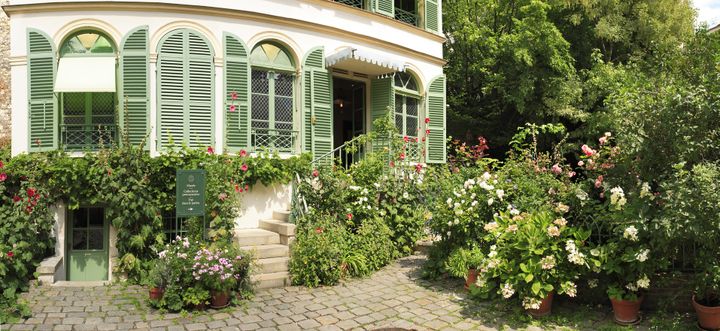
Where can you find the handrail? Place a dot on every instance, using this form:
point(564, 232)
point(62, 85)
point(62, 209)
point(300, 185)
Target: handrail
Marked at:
point(337, 150)
point(298, 205)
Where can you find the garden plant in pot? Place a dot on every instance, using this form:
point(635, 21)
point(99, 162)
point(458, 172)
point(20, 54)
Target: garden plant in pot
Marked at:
point(158, 279)
point(219, 269)
point(196, 297)
point(464, 263)
point(534, 256)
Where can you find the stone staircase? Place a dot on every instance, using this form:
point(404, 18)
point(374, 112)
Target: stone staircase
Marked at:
point(270, 245)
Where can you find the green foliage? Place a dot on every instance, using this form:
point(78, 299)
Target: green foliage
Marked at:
point(317, 254)
point(463, 259)
point(135, 189)
point(373, 240)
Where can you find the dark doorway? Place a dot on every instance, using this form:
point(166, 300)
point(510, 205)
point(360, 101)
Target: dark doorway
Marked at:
point(349, 114)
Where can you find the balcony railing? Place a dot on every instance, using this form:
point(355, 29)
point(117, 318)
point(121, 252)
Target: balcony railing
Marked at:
point(353, 3)
point(84, 137)
point(274, 140)
point(406, 16)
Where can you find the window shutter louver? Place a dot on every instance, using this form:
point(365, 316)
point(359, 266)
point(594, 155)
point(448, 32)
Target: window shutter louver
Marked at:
point(134, 91)
point(385, 7)
point(42, 105)
point(185, 93)
point(382, 101)
point(436, 147)
point(432, 15)
point(317, 104)
point(237, 80)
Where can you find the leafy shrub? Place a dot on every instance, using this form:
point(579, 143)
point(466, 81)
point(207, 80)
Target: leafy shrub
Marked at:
point(373, 241)
point(317, 254)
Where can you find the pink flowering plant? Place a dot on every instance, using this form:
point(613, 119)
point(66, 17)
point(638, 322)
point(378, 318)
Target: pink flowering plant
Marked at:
point(532, 255)
point(219, 269)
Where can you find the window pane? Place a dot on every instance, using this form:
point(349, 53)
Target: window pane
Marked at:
point(260, 82)
point(95, 239)
point(79, 218)
point(411, 107)
point(283, 84)
point(79, 239)
point(97, 217)
point(411, 126)
point(399, 123)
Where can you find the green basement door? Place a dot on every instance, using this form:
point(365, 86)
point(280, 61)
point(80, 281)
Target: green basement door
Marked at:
point(87, 248)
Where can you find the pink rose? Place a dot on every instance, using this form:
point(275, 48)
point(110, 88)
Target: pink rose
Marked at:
point(3, 177)
point(244, 167)
point(598, 181)
point(587, 150)
point(315, 173)
point(581, 163)
point(602, 140)
point(243, 153)
point(210, 150)
point(556, 169)
point(571, 174)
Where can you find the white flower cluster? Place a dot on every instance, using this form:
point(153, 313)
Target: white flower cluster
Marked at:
point(507, 290)
point(574, 256)
point(362, 202)
point(560, 222)
point(490, 227)
point(569, 288)
point(642, 255)
point(531, 303)
point(617, 197)
point(548, 262)
point(630, 233)
point(643, 282)
point(553, 231)
point(645, 191)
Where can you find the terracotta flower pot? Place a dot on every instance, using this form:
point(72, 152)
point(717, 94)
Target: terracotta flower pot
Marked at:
point(200, 306)
point(708, 317)
point(471, 277)
point(220, 299)
point(545, 306)
point(156, 293)
point(626, 312)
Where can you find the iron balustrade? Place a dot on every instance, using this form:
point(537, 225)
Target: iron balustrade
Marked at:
point(87, 136)
point(279, 140)
point(406, 16)
point(353, 3)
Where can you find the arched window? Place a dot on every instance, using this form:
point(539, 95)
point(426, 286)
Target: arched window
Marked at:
point(88, 103)
point(272, 92)
point(407, 105)
point(185, 89)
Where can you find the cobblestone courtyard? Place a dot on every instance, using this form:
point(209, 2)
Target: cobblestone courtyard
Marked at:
point(394, 297)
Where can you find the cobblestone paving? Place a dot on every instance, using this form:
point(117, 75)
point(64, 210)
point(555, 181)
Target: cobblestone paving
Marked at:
point(394, 297)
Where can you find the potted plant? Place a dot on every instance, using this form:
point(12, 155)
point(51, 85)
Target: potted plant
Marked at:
point(158, 279)
point(706, 299)
point(196, 297)
point(464, 263)
point(220, 270)
point(534, 256)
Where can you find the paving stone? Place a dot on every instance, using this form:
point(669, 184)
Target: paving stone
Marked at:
point(308, 323)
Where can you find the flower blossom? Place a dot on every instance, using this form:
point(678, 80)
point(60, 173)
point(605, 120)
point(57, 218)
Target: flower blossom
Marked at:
point(569, 288)
point(315, 173)
point(500, 194)
point(645, 190)
point(531, 303)
point(548, 262)
point(3, 177)
point(492, 226)
point(598, 181)
point(507, 290)
point(617, 197)
point(602, 140)
point(556, 169)
point(560, 221)
point(553, 231)
point(243, 153)
point(512, 228)
point(643, 282)
point(210, 150)
point(587, 150)
point(630, 233)
point(642, 255)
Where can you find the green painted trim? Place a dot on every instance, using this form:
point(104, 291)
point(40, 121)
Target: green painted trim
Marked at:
point(247, 120)
point(431, 126)
point(120, 84)
point(307, 108)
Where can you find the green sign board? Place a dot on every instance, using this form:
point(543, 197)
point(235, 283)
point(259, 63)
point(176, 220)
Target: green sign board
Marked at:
point(190, 193)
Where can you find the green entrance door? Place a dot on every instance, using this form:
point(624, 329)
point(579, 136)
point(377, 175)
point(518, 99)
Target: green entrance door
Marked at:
point(87, 240)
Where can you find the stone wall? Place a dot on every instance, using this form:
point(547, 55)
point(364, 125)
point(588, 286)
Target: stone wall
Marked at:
point(4, 76)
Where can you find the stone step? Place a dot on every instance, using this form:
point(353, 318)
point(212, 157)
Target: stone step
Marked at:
point(281, 215)
point(281, 227)
point(267, 251)
point(273, 280)
point(256, 237)
point(272, 265)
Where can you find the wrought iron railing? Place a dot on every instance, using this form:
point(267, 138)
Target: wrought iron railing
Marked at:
point(87, 136)
point(346, 154)
point(354, 3)
point(274, 140)
point(406, 16)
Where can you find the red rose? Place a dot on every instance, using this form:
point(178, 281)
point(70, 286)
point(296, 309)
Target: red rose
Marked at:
point(315, 173)
point(423, 139)
point(402, 156)
point(418, 167)
point(210, 150)
point(10, 254)
point(243, 153)
point(233, 95)
point(427, 120)
point(349, 216)
point(232, 108)
point(406, 139)
point(31, 192)
point(3, 177)
point(427, 131)
point(16, 199)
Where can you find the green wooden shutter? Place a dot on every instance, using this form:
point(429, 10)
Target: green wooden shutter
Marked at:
point(134, 86)
point(42, 105)
point(237, 80)
point(436, 148)
point(318, 108)
point(185, 85)
point(385, 7)
point(432, 15)
point(382, 101)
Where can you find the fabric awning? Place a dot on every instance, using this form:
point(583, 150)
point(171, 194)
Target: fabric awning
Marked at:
point(85, 74)
point(361, 61)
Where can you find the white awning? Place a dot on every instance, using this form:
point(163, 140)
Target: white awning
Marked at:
point(85, 74)
point(364, 62)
